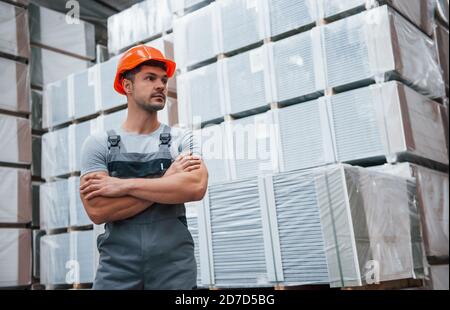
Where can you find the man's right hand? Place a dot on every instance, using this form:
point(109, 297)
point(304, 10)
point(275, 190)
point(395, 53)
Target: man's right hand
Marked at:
point(184, 163)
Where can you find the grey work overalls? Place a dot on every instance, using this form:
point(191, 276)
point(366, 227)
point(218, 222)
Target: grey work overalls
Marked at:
point(154, 249)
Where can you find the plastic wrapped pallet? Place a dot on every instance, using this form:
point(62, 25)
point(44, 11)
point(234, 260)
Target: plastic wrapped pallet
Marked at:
point(238, 229)
point(37, 235)
point(138, 23)
point(247, 82)
point(305, 139)
point(201, 93)
point(299, 248)
point(77, 213)
point(371, 226)
point(439, 277)
point(377, 45)
point(195, 37)
point(15, 86)
point(50, 28)
point(55, 259)
point(441, 37)
point(56, 109)
point(14, 30)
point(433, 202)
point(194, 227)
point(241, 23)
point(36, 110)
point(387, 120)
point(297, 66)
point(15, 190)
point(419, 12)
point(108, 98)
point(286, 15)
point(81, 267)
point(48, 66)
point(15, 257)
point(36, 146)
point(54, 205)
point(16, 142)
point(55, 153)
point(252, 143)
point(215, 153)
point(78, 133)
point(81, 93)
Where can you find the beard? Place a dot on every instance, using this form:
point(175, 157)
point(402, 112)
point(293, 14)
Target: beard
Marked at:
point(150, 106)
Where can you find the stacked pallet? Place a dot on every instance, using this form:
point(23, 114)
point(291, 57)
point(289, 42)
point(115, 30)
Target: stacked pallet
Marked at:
point(283, 99)
point(15, 157)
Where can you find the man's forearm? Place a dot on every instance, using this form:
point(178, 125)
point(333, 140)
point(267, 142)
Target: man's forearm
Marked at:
point(177, 188)
point(105, 209)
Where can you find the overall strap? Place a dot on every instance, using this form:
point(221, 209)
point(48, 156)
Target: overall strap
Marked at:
point(165, 139)
point(115, 145)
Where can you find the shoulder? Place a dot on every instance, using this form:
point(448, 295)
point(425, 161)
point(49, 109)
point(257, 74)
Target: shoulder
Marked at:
point(96, 140)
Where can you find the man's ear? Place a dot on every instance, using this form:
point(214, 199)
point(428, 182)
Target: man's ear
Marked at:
point(127, 86)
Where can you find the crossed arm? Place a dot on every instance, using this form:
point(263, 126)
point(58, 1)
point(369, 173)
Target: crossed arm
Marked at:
point(109, 199)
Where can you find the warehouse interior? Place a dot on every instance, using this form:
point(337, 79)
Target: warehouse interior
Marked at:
point(323, 125)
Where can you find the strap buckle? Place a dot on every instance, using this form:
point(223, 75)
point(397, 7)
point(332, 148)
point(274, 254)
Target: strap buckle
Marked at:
point(165, 138)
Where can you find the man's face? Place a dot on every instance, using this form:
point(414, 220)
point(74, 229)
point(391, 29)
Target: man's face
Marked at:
point(150, 88)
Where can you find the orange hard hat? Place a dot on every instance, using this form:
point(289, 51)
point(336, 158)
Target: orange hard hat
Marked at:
point(134, 57)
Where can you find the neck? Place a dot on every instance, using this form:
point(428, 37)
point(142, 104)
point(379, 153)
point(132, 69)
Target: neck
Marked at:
point(140, 121)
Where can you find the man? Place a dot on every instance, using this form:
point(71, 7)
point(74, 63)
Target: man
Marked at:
point(130, 182)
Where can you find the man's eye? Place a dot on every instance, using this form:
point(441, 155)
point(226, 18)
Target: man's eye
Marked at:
point(164, 81)
point(151, 78)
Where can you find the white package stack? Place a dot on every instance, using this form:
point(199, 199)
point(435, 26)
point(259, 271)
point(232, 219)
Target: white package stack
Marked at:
point(238, 229)
point(52, 29)
point(15, 89)
point(305, 139)
point(241, 23)
point(82, 93)
point(16, 142)
point(195, 37)
point(15, 257)
point(107, 96)
point(433, 202)
point(56, 109)
point(78, 133)
point(247, 82)
point(201, 93)
point(298, 242)
point(380, 44)
point(371, 226)
point(14, 36)
point(215, 153)
point(419, 12)
point(77, 213)
point(287, 15)
point(56, 266)
point(55, 153)
point(297, 67)
point(81, 257)
point(54, 205)
point(48, 66)
point(387, 120)
point(15, 190)
point(252, 145)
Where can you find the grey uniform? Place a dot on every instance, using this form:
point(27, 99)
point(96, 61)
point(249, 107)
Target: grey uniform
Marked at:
point(154, 249)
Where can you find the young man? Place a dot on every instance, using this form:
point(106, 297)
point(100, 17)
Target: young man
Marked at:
point(130, 181)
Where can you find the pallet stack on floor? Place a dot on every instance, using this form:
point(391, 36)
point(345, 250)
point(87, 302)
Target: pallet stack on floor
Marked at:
point(15, 145)
point(280, 95)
